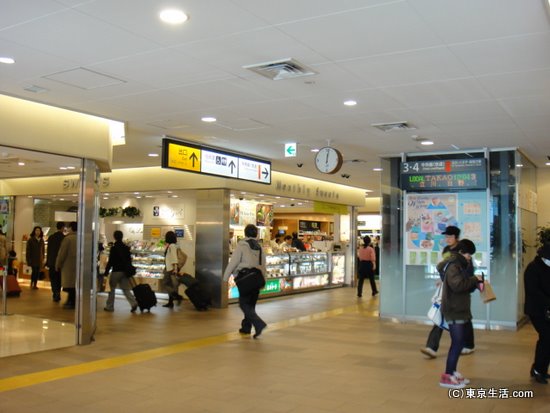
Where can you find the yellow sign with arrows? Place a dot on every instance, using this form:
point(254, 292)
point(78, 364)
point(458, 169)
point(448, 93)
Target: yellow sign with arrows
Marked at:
point(184, 157)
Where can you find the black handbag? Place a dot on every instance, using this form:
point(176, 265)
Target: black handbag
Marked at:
point(249, 280)
point(130, 270)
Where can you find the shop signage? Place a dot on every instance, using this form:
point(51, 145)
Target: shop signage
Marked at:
point(194, 158)
point(453, 174)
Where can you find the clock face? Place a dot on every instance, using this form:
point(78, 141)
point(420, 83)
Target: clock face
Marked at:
point(328, 160)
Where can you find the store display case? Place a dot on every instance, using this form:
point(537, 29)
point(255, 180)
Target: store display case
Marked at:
point(337, 276)
point(288, 273)
point(148, 258)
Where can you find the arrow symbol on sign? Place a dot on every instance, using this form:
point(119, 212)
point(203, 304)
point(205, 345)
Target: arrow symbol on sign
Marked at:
point(193, 158)
point(232, 166)
point(265, 173)
point(291, 150)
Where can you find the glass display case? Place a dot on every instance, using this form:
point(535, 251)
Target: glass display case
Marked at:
point(292, 272)
point(148, 258)
point(337, 275)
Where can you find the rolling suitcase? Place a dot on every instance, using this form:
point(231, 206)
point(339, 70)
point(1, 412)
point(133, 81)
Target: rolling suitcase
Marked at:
point(145, 296)
point(198, 297)
point(12, 286)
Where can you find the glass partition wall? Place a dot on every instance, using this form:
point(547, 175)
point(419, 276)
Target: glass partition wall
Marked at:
point(413, 222)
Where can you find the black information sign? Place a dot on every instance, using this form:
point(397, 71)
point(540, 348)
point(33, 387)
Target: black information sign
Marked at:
point(453, 174)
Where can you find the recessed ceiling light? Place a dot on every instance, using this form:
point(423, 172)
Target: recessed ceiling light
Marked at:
point(70, 167)
point(173, 16)
point(21, 163)
point(426, 142)
point(315, 150)
point(547, 163)
point(208, 119)
point(63, 168)
point(350, 102)
point(377, 169)
point(7, 60)
point(519, 165)
point(153, 155)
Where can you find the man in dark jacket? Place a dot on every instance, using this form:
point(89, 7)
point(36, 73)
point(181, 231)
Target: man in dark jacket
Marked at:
point(54, 242)
point(537, 307)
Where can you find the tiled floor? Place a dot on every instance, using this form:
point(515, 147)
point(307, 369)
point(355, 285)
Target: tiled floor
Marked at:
point(322, 352)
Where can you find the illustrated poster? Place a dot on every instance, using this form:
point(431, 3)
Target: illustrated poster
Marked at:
point(426, 217)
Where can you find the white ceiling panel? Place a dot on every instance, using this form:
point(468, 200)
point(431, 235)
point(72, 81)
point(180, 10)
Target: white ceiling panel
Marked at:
point(527, 106)
point(16, 12)
point(472, 111)
point(207, 19)
point(520, 53)
point(162, 68)
point(426, 65)
point(284, 11)
point(439, 93)
point(77, 37)
point(333, 104)
point(470, 20)
point(378, 30)
point(528, 83)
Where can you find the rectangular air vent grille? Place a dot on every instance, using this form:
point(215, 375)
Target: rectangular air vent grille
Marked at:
point(394, 126)
point(281, 69)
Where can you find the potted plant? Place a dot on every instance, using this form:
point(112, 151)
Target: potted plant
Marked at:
point(130, 212)
point(108, 212)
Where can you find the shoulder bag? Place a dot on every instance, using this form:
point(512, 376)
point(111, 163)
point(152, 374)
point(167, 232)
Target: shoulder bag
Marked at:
point(249, 280)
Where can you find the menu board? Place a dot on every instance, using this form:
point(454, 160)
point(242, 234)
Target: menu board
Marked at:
point(453, 174)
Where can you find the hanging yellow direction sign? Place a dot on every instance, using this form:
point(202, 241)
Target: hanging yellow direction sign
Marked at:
point(184, 157)
point(204, 160)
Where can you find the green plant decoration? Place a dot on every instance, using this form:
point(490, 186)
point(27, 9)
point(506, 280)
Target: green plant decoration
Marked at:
point(109, 212)
point(130, 212)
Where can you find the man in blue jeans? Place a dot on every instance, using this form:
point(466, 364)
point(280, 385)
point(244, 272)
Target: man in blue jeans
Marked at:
point(452, 235)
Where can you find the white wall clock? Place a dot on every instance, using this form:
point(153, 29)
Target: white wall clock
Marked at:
point(328, 160)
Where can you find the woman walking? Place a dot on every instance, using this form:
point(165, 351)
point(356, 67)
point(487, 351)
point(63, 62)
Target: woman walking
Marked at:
point(367, 264)
point(170, 281)
point(35, 254)
point(458, 284)
point(248, 254)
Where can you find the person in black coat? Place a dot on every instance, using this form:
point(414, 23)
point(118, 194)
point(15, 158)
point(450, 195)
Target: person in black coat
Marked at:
point(537, 307)
point(54, 243)
point(120, 259)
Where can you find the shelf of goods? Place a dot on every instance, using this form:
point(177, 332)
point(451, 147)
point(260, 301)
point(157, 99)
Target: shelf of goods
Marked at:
point(148, 258)
point(288, 273)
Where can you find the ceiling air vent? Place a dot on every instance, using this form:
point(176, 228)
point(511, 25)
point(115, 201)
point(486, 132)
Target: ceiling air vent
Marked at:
point(281, 69)
point(394, 126)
